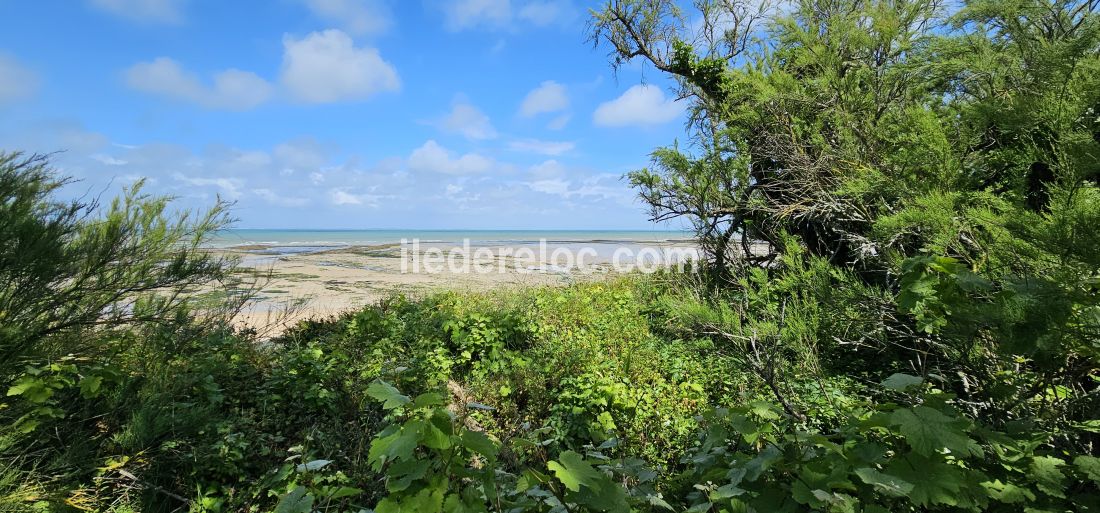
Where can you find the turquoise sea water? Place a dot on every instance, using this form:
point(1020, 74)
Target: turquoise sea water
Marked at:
point(336, 238)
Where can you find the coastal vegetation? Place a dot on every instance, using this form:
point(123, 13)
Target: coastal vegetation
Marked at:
point(900, 310)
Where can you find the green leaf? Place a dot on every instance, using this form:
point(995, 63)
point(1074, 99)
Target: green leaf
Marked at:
point(386, 394)
point(312, 465)
point(480, 443)
point(573, 471)
point(344, 491)
point(1092, 426)
point(31, 388)
point(1089, 465)
point(297, 501)
point(902, 382)
point(890, 485)
point(428, 400)
point(89, 386)
point(1048, 477)
point(1007, 493)
point(397, 445)
point(435, 438)
point(764, 410)
point(934, 482)
point(927, 431)
point(725, 492)
point(403, 473)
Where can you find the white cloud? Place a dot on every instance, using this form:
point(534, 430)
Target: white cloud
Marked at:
point(431, 157)
point(588, 187)
point(542, 147)
point(230, 186)
point(555, 186)
point(359, 17)
point(276, 199)
point(559, 122)
point(545, 13)
point(464, 14)
point(144, 11)
point(326, 67)
point(232, 89)
point(301, 154)
point(17, 82)
point(107, 159)
point(501, 14)
point(343, 197)
point(549, 96)
point(548, 169)
point(639, 105)
point(467, 120)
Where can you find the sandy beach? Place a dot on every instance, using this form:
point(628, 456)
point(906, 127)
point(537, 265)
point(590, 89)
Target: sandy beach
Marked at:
point(299, 282)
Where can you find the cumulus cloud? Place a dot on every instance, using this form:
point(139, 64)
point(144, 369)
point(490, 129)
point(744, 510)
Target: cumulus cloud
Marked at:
point(639, 105)
point(326, 67)
point(231, 89)
point(17, 82)
point(143, 11)
point(542, 147)
point(359, 17)
point(467, 120)
point(549, 96)
point(431, 157)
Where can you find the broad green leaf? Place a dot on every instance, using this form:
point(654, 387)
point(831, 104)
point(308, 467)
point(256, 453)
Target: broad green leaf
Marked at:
point(385, 393)
point(480, 443)
point(31, 388)
point(934, 482)
point(1048, 476)
point(89, 386)
point(312, 465)
point(902, 382)
point(403, 473)
point(725, 492)
point(1089, 465)
point(398, 445)
point(764, 410)
point(927, 431)
point(428, 399)
point(1007, 493)
point(297, 501)
point(890, 485)
point(434, 438)
point(573, 471)
point(344, 491)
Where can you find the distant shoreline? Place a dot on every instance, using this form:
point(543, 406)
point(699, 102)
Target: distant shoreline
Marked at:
point(257, 239)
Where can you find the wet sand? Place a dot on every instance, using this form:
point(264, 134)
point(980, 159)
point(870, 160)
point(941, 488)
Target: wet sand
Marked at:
point(314, 281)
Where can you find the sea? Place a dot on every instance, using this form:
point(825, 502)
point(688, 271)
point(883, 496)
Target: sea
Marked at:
point(341, 238)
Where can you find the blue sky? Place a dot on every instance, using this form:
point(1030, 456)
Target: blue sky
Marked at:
point(338, 113)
